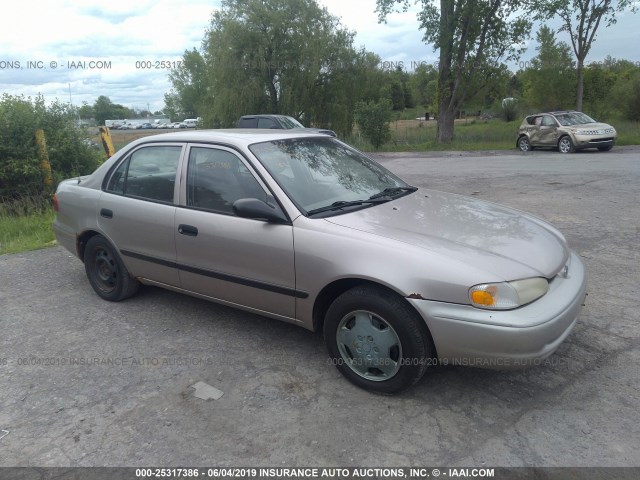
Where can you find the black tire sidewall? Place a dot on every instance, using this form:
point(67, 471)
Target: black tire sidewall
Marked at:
point(408, 325)
point(95, 244)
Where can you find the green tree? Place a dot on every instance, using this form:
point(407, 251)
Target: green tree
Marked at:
point(549, 82)
point(373, 120)
point(626, 94)
point(86, 111)
point(424, 85)
point(104, 109)
point(601, 80)
point(471, 37)
point(189, 81)
point(278, 56)
point(581, 20)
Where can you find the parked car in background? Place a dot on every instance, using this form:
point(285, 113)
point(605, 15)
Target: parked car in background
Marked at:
point(565, 130)
point(190, 122)
point(283, 122)
point(303, 228)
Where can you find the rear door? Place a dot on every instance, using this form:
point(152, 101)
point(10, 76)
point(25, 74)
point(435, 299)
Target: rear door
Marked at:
point(237, 260)
point(548, 131)
point(534, 130)
point(137, 211)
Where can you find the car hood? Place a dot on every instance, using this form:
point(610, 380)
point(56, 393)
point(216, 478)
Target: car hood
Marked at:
point(509, 243)
point(590, 126)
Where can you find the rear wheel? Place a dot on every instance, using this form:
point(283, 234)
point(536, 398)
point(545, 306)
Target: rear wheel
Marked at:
point(524, 144)
point(605, 149)
point(107, 274)
point(565, 145)
point(376, 340)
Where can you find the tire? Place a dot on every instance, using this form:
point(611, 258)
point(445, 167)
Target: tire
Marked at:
point(605, 149)
point(106, 273)
point(376, 340)
point(565, 145)
point(524, 144)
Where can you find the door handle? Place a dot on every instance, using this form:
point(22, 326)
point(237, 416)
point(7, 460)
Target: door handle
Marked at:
point(106, 213)
point(188, 230)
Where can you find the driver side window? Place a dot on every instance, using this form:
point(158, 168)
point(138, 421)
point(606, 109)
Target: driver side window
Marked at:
point(217, 178)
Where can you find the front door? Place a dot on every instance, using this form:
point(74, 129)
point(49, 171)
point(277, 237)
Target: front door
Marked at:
point(237, 260)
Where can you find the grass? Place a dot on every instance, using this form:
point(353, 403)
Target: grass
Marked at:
point(25, 224)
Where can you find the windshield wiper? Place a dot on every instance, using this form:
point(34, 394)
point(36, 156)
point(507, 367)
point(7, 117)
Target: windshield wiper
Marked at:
point(339, 205)
point(392, 191)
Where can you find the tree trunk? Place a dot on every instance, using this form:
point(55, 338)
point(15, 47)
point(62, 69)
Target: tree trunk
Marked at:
point(580, 90)
point(446, 118)
point(446, 83)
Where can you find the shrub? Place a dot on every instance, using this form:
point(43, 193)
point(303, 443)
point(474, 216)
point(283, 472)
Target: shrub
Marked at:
point(70, 153)
point(509, 109)
point(373, 120)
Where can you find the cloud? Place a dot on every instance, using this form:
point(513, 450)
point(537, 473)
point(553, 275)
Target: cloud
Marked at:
point(131, 37)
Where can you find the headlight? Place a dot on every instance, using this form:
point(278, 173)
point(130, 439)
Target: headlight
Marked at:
point(508, 295)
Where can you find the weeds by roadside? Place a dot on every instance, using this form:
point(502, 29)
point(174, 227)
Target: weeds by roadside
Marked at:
point(25, 223)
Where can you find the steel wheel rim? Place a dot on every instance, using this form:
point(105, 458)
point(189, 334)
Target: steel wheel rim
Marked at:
point(369, 346)
point(524, 144)
point(565, 146)
point(106, 270)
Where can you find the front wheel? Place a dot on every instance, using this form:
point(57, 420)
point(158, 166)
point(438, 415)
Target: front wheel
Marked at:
point(107, 274)
point(565, 145)
point(376, 340)
point(605, 149)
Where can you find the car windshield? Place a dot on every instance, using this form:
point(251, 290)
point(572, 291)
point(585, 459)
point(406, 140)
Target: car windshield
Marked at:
point(323, 176)
point(290, 122)
point(574, 118)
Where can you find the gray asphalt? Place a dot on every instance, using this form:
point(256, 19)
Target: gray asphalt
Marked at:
point(126, 399)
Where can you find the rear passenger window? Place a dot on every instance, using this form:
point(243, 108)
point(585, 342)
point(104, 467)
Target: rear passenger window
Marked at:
point(149, 173)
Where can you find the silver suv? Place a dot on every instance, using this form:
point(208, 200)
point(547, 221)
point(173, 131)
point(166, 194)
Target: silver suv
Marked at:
point(567, 131)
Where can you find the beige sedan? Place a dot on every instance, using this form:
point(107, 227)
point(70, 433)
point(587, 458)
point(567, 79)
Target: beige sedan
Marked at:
point(302, 228)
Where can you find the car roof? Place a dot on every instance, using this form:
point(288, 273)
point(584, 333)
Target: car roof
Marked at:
point(555, 112)
point(235, 136)
point(266, 115)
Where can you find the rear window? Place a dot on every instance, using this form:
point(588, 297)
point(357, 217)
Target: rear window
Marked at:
point(248, 123)
point(149, 173)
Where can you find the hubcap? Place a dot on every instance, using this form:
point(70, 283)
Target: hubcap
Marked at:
point(106, 269)
point(369, 346)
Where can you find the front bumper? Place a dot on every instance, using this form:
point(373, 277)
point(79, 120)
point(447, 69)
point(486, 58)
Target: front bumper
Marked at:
point(464, 335)
point(590, 141)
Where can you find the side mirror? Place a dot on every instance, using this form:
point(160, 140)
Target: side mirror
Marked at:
point(257, 209)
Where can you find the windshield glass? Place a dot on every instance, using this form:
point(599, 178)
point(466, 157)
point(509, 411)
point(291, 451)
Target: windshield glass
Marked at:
point(574, 118)
point(320, 172)
point(290, 122)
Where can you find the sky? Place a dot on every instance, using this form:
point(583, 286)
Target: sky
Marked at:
point(76, 51)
